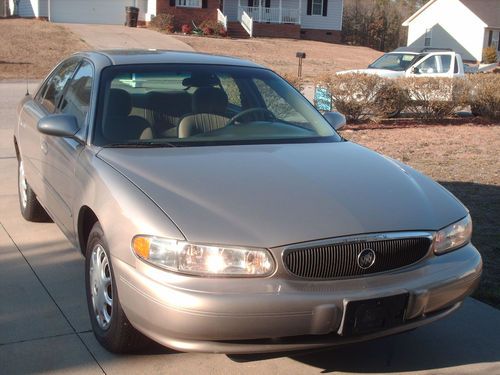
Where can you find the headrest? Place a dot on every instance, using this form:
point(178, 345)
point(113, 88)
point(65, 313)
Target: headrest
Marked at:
point(170, 103)
point(200, 80)
point(119, 103)
point(210, 100)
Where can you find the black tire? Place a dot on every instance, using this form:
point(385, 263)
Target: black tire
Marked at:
point(31, 209)
point(119, 336)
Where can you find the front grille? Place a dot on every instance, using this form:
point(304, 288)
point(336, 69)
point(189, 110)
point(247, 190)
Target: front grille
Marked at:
point(339, 260)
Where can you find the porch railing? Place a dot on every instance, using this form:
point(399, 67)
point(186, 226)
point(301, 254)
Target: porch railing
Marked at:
point(273, 15)
point(246, 21)
point(222, 19)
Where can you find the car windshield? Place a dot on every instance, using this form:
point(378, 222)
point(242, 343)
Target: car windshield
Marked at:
point(394, 61)
point(187, 105)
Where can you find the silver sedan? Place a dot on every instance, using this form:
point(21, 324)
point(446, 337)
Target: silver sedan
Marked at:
point(219, 211)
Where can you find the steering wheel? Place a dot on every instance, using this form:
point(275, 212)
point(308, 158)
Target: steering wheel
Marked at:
point(251, 110)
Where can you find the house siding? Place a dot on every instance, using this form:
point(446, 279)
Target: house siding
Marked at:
point(333, 20)
point(188, 15)
point(452, 25)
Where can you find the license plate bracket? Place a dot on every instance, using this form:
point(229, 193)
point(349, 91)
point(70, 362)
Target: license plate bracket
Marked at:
point(372, 315)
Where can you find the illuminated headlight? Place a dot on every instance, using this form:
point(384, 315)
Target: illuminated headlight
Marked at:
point(453, 236)
point(204, 260)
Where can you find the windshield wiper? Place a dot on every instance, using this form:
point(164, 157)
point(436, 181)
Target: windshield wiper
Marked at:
point(140, 145)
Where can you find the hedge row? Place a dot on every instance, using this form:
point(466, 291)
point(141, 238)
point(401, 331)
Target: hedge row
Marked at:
point(361, 97)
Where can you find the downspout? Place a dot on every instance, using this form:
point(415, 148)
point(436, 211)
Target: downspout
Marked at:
point(49, 12)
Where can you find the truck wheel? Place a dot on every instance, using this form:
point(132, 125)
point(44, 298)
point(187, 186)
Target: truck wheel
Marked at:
point(110, 325)
point(31, 209)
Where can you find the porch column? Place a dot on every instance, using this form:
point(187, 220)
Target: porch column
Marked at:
point(281, 12)
point(260, 11)
point(300, 12)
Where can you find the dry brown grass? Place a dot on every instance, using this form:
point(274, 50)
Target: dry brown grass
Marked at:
point(31, 48)
point(466, 160)
point(279, 54)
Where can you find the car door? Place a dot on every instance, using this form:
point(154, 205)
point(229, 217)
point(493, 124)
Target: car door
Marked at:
point(62, 153)
point(435, 65)
point(32, 142)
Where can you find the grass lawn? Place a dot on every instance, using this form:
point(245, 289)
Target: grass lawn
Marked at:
point(279, 54)
point(466, 160)
point(31, 48)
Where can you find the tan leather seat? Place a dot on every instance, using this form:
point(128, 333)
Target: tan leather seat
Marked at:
point(119, 126)
point(166, 109)
point(210, 112)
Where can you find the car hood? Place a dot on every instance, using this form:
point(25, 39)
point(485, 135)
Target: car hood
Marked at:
point(379, 72)
point(273, 195)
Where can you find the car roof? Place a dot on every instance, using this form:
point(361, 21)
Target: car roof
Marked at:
point(154, 56)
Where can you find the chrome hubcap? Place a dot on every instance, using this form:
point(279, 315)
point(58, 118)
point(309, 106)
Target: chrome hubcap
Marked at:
point(23, 186)
point(101, 286)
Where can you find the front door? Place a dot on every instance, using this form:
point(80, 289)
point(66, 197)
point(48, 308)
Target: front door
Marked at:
point(62, 153)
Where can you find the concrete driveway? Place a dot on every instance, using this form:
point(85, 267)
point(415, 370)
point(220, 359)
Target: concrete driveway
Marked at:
point(116, 36)
point(44, 327)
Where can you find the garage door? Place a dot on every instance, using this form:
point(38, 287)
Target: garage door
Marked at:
point(90, 11)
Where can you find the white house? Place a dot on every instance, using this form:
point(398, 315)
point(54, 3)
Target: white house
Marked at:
point(466, 26)
point(77, 11)
point(307, 19)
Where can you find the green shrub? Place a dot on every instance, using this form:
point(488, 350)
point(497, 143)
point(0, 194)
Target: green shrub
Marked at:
point(163, 22)
point(210, 27)
point(431, 97)
point(362, 96)
point(489, 55)
point(484, 95)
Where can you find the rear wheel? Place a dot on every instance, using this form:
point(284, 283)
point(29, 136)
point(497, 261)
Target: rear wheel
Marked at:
point(31, 209)
point(110, 325)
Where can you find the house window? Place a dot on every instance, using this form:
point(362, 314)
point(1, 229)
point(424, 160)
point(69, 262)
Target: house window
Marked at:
point(317, 7)
point(428, 38)
point(188, 3)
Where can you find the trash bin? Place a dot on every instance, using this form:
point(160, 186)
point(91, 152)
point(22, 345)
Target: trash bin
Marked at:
point(132, 16)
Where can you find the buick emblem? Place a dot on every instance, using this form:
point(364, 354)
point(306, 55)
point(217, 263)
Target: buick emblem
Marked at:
point(366, 259)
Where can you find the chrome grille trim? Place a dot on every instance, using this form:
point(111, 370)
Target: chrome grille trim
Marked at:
point(337, 258)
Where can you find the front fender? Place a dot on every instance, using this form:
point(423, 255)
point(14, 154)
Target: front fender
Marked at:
point(122, 208)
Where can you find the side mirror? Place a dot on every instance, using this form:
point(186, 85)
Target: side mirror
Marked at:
point(60, 125)
point(415, 70)
point(335, 119)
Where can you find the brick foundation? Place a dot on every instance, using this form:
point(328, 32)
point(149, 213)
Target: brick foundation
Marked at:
point(187, 15)
point(284, 30)
point(330, 36)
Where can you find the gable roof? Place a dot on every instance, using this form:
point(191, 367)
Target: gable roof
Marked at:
point(487, 10)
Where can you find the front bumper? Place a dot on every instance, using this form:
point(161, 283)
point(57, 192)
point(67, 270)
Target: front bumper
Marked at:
point(275, 314)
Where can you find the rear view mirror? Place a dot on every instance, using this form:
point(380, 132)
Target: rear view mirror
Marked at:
point(335, 119)
point(60, 125)
point(415, 70)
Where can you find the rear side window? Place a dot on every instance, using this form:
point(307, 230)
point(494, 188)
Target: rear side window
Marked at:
point(455, 70)
point(76, 99)
point(51, 93)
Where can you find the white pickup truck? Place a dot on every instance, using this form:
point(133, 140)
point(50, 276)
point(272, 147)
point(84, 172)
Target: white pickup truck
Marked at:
point(404, 62)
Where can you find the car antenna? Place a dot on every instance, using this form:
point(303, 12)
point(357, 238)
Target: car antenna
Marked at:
point(27, 87)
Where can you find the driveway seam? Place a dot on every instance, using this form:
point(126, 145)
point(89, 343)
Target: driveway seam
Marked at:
point(41, 338)
point(52, 298)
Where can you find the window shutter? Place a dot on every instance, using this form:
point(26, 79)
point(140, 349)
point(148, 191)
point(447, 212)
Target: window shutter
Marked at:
point(268, 4)
point(204, 3)
point(309, 7)
point(325, 8)
point(172, 3)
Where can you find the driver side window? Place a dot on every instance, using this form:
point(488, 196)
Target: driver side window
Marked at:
point(277, 104)
point(50, 95)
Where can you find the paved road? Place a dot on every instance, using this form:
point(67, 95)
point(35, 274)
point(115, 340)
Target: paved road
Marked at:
point(44, 327)
point(115, 36)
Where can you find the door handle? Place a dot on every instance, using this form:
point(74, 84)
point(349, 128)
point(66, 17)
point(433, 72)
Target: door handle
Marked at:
point(44, 147)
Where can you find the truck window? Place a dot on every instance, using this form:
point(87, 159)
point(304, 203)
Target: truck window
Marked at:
point(456, 66)
point(445, 63)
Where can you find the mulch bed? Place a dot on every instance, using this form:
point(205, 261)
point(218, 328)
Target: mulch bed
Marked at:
point(401, 123)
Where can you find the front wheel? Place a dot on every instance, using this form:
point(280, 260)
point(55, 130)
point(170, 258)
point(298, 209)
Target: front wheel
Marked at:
point(110, 325)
